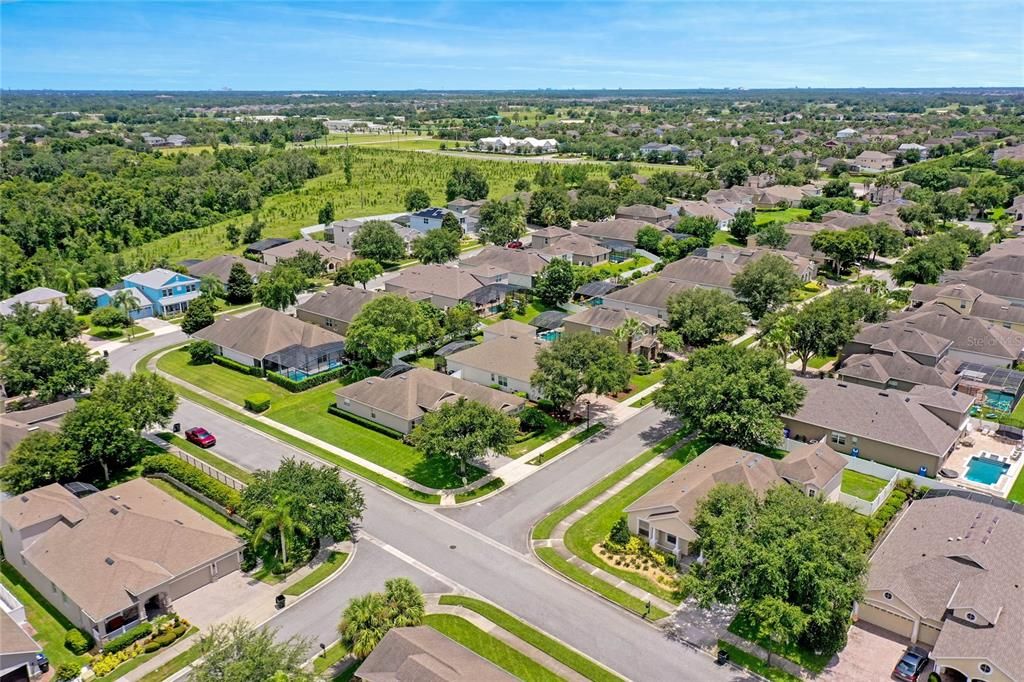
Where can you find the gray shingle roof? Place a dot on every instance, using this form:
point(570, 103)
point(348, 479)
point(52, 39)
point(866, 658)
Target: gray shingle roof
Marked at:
point(265, 331)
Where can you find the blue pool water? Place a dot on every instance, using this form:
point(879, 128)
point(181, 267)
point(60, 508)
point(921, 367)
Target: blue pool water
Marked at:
point(986, 471)
point(998, 400)
point(552, 335)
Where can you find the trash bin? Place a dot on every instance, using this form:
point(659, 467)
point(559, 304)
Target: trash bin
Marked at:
point(43, 662)
point(722, 657)
point(279, 601)
point(177, 427)
point(106, 354)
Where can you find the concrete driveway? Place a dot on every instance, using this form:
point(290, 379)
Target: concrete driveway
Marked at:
point(870, 654)
point(236, 594)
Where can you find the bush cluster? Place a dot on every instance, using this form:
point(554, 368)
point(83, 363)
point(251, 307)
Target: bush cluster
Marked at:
point(160, 633)
point(532, 420)
point(77, 642)
point(237, 366)
point(194, 478)
point(881, 518)
point(257, 402)
point(307, 383)
point(126, 639)
point(67, 671)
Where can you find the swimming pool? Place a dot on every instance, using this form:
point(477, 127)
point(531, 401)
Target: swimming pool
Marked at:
point(998, 400)
point(552, 335)
point(985, 470)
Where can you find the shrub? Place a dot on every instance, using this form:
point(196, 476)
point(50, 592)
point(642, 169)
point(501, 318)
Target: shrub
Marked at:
point(67, 671)
point(194, 478)
point(531, 419)
point(237, 366)
point(257, 402)
point(124, 640)
point(202, 352)
point(152, 645)
point(307, 383)
point(620, 531)
point(643, 365)
point(77, 642)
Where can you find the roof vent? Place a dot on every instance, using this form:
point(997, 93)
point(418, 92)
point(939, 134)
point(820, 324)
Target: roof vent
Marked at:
point(178, 522)
point(24, 498)
point(109, 561)
point(114, 511)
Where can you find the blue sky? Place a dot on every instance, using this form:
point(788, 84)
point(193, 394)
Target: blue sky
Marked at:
point(499, 45)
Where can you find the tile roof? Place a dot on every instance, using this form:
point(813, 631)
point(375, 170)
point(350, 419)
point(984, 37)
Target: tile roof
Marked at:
point(422, 654)
point(265, 331)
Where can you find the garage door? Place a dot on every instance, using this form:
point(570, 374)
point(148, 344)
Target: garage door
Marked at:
point(926, 634)
point(893, 622)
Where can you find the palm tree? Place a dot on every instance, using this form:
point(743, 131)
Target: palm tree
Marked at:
point(71, 278)
point(629, 331)
point(210, 286)
point(405, 600)
point(364, 623)
point(280, 518)
point(126, 301)
point(779, 337)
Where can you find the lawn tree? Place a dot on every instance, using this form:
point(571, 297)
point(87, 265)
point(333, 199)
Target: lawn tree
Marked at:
point(973, 239)
point(777, 333)
point(777, 623)
point(467, 182)
point(460, 320)
point(200, 314)
point(450, 223)
point(54, 321)
point(416, 199)
point(987, 192)
point(126, 301)
point(765, 284)
point(201, 352)
point(555, 283)
point(463, 431)
point(703, 228)
point(147, 398)
point(368, 618)
point(326, 213)
point(773, 235)
point(549, 206)
point(671, 340)
point(362, 270)
point(253, 231)
point(279, 288)
point(279, 519)
point(780, 545)
point(581, 363)
point(377, 240)
point(742, 225)
point(592, 207)
point(240, 652)
point(885, 240)
point(111, 318)
point(232, 234)
point(924, 262)
point(40, 459)
point(436, 246)
point(733, 172)
point(950, 207)
point(49, 367)
point(842, 248)
point(502, 222)
point(310, 264)
point(734, 395)
point(648, 238)
point(822, 327)
point(703, 317)
point(212, 287)
point(239, 289)
point(385, 326)
point(839, 187)
point(103, 435)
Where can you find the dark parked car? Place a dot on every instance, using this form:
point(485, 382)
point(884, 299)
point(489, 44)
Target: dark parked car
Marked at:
point(200, 437)
point(911, 665)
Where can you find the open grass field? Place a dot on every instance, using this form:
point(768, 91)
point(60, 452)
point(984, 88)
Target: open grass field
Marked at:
point(861, 485)
point(490, 647)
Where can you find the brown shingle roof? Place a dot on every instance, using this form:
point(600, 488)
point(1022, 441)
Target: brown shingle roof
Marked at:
point(265, 331)
point(341, 302)
point(422, 654)
point(220, 267)
point(620, 229)
point(610, 319)
point(510, 356)
point(436, 280)
point(651, 293)
point(879, 368)
point(14, 640)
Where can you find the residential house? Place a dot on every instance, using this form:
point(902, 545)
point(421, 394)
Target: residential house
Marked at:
point(38, 298)
point(335, 307)
point(703, 209)
point(778, 196)
point(703, 272)
point(665, 515)
point(505, 362)
point(341, 232)
point(446, 286)
point(423, 653)
point(517, 267)
point(897, 370)
point(1010, 153)
point(743, 196)
point(643, 213)
point(606, 321)
point(258, 247)
point(973, 338)
point(468, 213)
point(869, 161)
point(427, 219)
point(843, 220)
point(618, 235)
point(556, 242)
point(913, 147)
point(114, 558)
point(660, 149)
point(884, 194)
point(18, 650)
point(511, 145)
point(846, 133)
point(220, 267)
point(158, 292)
point(649, 297)
point(914, 430)
point(17, 426)
point(507, 328)
point(948, 575)
point(400, 402)
point(275, 342)
point(970, 300)
point(333, 256)
point(1016, 209)
point(804, 268)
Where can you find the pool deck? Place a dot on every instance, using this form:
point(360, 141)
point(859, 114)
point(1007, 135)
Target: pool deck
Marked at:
point(987, 445)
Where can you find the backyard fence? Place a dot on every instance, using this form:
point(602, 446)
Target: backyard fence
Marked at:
point(865, 507)
point(207, 469)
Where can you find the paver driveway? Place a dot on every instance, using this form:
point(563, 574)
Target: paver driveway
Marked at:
point(871, 654)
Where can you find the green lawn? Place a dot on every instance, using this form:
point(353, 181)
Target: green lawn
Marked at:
point(331, 656)
point(128, 666)
point(533, 309)
point(207, 456)
point(489, 487)
point(566, 444)
point(334, 561)
point(50, 624)
point(756, 665)
point(179, 662)
point(860, 485)
point(227, 383)
point(196, 505)
point(593, 528)
point(819, 361)
point(640, 382)
point(1016, 493)
point(112, 334)
point(606, 270)
point(490, 647)
point(797, 654)
point(789, 215)
point(578, 662)
point(725, 237)
point(552, 429)
point(747, 341)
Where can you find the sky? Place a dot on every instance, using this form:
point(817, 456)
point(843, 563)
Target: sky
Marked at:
point(457, 45)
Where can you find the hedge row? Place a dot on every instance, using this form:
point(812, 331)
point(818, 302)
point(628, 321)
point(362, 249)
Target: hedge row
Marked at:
point(379, 428)
point(237, 366)
point(194, 478)
point(125, 640)
point(881, 518)
point(307, 383)
point(166, 638)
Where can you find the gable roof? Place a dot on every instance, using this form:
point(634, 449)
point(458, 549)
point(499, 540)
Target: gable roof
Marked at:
point(422, 654)
point(220, 267)
point(1002, 283)
point(619, 229)
point(881, 368)
point(326, 250)
point(518, 261)
point(968, 333)
point(265, 331)
point(651, 293)
point(14, 640)
point(644, 212)
point(436, 280)
point(412, 394)
point(710, 272)
point(155, 278)
point(606, 318)
point(512, 356)
point(32, 297)
point(341, 302)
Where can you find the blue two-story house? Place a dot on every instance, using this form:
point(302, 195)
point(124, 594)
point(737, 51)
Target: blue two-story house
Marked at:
point(159, 292)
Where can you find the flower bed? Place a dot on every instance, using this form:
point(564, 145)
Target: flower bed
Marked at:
point(157, 634)
point(638, 556)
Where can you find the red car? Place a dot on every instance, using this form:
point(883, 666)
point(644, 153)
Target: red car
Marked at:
point(200, 437)
point(514, 245)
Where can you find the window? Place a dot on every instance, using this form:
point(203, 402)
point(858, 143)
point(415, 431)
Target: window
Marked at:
point(985, 668)
point(503, 381)
point(373, 415)
point(346, 401)
point(887, 595)
point(213, 568)
point(963, 304)
point(53, 587)
point(838, 438)
point(426, 221)
point(811, 492)
point(671, 539)
point(328, 323)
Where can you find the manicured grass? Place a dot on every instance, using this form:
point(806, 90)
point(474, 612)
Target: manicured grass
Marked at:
point(490, 647)
point(747, 341)
point(819, 361)
point(789, 215)
point(176, 664)
point(756, 665)
point(207, 456)
point(307, 412)
point(607, 270)
point(640, 382)
point(111, 334)
point(795, 653)
point(534, 308)
point(50, 624)
point(553, 559)
point(320, 453)
point(332, 655)
point(555, 451)
point(128, 666)
point(724, 237)
point(334, 561)
point(593, 528)
point(646, 400)
point(197, 505)
point(552, 429)
point(1016, 493)
point(486, 488)
point(227, 383)
point(563, 654)
point(860, 485)
point(543, 529)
